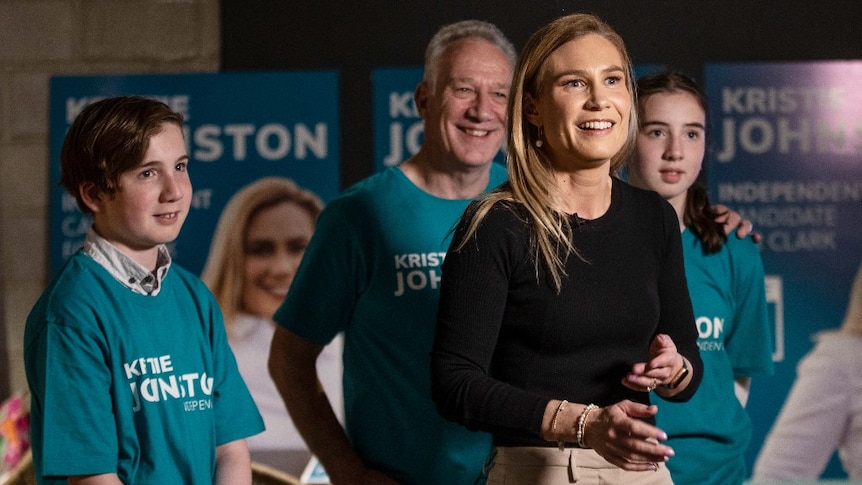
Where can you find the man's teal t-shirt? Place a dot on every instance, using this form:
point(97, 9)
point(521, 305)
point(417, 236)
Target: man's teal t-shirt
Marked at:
point(372, 271)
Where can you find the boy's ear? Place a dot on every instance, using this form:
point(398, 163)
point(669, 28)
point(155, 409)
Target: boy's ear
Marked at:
point(91, 196)
point(530, 111)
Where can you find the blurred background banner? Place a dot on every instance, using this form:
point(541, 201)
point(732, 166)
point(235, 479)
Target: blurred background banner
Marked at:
point(239, 127)
point(786, 152)
point(398, 128)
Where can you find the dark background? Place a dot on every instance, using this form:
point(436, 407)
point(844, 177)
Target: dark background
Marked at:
point(356, 36)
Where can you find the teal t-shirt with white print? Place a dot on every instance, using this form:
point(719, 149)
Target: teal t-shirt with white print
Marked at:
point(142, 386)
point(372, 271)
point(710, 433)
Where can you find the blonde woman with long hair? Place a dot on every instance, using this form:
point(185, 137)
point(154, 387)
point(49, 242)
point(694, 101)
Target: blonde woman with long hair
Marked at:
point(258, 243)
point(563, 300)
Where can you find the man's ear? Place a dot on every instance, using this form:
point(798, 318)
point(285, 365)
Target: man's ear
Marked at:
point(91, 196)
point(420, 98)
point(530, 111)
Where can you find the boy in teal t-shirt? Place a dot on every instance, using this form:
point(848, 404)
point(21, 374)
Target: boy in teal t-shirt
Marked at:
point(131, 376)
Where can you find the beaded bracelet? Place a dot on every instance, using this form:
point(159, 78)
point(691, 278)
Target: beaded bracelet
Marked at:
point(582, 421)
point(560, 444)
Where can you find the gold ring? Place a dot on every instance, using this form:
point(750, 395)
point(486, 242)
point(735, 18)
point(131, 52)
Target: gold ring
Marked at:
point(653, 386)
point(655, 466)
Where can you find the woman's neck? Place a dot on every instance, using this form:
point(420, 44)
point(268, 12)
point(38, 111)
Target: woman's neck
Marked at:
point(585, 194)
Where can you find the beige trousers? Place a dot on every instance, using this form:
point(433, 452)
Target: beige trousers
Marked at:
point(550, 466)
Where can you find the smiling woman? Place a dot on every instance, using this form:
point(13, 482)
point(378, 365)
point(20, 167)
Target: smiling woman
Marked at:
point(546, 273)
point(576, 77)
point(258, 243)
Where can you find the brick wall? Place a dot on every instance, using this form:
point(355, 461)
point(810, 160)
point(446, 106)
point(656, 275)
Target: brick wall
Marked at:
point(40, 38)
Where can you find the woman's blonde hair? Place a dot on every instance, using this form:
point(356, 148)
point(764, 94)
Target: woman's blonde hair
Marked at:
point(224, 268)
point(531, 180)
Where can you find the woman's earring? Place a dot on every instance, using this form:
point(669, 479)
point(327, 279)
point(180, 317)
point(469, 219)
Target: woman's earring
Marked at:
point(539, 141)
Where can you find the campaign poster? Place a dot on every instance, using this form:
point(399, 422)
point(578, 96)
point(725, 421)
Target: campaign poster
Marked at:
point(786, 152)
point(239, 127)
point(398, 129)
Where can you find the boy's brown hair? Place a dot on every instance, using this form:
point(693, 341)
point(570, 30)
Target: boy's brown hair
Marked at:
point(108, 138)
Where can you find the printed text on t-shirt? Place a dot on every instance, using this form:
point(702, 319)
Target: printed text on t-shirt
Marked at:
point(153, 379)
point(417, 271)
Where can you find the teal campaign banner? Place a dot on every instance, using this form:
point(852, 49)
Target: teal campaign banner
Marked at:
point(239, 127)
point(398, 128)
point(786, 152)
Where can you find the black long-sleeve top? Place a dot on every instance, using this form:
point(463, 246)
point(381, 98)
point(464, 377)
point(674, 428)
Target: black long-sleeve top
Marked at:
point(507, 343)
